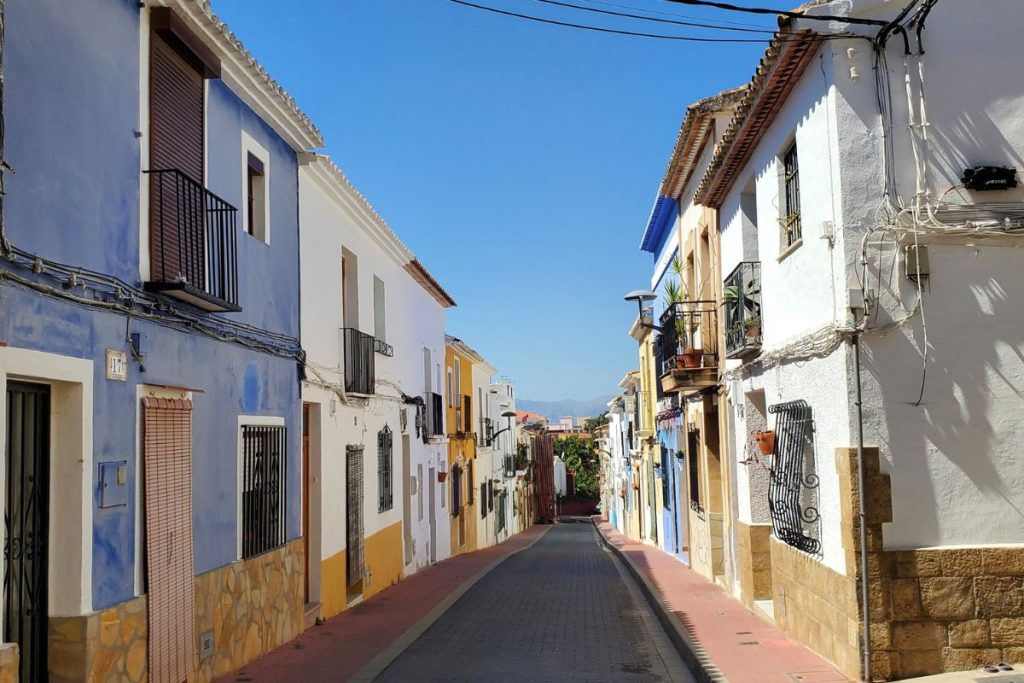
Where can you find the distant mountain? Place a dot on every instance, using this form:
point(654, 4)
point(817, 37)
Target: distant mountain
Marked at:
point(565, 408)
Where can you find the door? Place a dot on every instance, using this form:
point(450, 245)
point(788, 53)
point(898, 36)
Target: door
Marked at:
point(27, 524)
point(432, 512)
point(167, 459)
point(177, 130)
point(354, 526)
point(305, 495)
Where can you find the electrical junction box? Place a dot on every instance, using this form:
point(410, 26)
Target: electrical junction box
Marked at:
point(113, 482)
point(988, 178)
point(915, 262)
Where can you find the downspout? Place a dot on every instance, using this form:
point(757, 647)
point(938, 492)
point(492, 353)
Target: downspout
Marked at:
point(4, 246)
point(862, 512)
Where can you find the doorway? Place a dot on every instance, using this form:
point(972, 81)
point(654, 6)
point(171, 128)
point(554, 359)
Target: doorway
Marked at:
point(432, 513)
point(27, 514)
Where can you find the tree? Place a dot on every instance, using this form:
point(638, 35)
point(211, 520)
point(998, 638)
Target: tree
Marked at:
point(592, 423)
point(579, 455)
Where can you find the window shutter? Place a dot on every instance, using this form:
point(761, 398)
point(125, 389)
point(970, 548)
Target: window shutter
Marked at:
point(354, 504)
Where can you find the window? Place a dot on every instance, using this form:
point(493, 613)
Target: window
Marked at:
point(385, 472)
point(483, 500)
point(451, 389)
point(349, 289)
point(264, 454)
point(666, 482)
point(256, 191)
point(791, 226)
point(456, 490)
point(379, 314)
point(693, 458)
point(470, 486)
point(419, 498)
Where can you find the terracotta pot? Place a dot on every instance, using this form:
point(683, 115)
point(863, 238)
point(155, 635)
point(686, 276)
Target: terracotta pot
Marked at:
point(691, 358)
point(441, 476)
point(753, 332)
point(765, 441)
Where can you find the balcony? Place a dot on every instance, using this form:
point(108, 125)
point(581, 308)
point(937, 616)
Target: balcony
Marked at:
point(510, 466)
point(689, 347)
point(192, 243)
point(741, 307)
point(434, 426)
point(359, 361)
point(463, 415)
point(383, 348)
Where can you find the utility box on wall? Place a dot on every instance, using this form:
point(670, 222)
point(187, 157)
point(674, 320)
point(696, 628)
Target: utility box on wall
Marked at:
point(113, 483)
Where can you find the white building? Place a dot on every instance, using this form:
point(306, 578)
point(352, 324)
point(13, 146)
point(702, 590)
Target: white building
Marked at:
point(510, 479)
point(373, 331)
point(840, 221)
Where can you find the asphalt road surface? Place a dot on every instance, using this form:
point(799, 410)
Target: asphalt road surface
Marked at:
point(562, 610)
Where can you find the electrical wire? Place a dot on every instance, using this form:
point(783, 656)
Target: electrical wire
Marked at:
point(654, 19)
point(778, 12)
point(669, 14)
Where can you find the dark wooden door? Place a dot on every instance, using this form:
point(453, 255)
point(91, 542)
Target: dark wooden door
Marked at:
point(26, 521)
point(176, 125)
point(305, 492)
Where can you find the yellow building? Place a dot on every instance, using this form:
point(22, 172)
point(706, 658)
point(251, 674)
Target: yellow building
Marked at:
point(461, 407)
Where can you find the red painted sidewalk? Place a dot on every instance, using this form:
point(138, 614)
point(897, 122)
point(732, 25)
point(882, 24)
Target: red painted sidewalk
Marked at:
point(745, 647)
point(342, 646)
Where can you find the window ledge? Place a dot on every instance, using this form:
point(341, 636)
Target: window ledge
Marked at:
point(790, 249)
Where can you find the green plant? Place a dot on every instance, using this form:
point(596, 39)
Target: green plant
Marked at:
point(731, 294)
point(751, 321)
point(673, 293)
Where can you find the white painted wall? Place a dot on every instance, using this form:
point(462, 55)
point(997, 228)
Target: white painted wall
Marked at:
point(333, 218)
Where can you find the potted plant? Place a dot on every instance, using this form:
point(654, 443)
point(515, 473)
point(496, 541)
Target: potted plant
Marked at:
point(692, 356)
point(752, 327)
point(765, 441)
point(441, 476)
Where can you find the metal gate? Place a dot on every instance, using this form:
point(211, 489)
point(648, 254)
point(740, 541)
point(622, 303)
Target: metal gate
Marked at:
point(26, 521)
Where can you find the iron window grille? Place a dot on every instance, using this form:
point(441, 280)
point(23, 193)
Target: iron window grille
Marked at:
point(510, 466)
point(490, 497)
point(742, 308)
point(456, 490)
point(354, 529)
point(470, 487)
point(385, 472)
point(792, 230)
point(193, 246)
point(264, 454)
point(360, 366)
point(435, 415)
point(483, 500)
point(487, 429)
point(793, 482)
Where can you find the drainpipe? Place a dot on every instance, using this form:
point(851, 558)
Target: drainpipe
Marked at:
point(862, 512)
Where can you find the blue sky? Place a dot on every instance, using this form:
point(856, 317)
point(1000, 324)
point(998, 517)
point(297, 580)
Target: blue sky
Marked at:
point(518, 160)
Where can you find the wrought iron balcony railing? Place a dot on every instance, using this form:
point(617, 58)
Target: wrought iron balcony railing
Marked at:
point(741, 306)
point(435, 414)
point(487, 430)
point(359, 361)
point(383, 348)
point(689, 336)
point(463, 414)
point(193, 253)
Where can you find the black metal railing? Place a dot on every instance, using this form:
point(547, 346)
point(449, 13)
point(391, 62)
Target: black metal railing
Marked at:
point(435, 414)
point(383, 348)
point(793, 484)
point(487, 431)
point(193, 251)
point(741, 306)
point(360, 365)
point(689, 336)
point(264, 450)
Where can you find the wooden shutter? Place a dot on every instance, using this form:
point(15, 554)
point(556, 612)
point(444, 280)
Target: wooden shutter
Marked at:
point(176, 114)
point(354, 528)
point(167, 445)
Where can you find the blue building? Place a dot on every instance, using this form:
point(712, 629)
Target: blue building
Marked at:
point(150, 364)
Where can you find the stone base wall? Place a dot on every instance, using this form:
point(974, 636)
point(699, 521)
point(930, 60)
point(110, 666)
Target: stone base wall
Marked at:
point(754, 562)
point(816, 606)
point(707, 545)
point(250, 607)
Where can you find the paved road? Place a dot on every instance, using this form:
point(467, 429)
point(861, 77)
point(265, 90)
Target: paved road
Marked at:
point(563, 610)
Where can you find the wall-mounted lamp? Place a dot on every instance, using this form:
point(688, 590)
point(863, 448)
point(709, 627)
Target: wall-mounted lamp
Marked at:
point(508, 415)
point(642, 296)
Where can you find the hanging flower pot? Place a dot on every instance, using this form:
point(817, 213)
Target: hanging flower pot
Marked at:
point(441, 476)
point(765, 441)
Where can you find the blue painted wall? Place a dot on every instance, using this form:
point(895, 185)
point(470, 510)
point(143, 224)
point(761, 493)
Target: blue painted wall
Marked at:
point(71, 120)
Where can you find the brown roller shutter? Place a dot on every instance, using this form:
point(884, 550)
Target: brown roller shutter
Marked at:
point(167, 447)
point(176, 143)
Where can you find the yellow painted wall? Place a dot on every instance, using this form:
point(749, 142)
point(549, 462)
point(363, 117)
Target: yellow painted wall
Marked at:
point(384, 559)
point(461, 449)
point(333, 589)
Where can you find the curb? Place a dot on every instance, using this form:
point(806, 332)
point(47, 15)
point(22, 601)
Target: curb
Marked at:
point(692, 652)
point(383, 659)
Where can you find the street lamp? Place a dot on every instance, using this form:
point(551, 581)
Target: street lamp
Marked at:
point(508, 415)
point(642, 296)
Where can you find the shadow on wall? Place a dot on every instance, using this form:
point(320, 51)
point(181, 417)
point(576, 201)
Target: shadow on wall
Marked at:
point(951, 457)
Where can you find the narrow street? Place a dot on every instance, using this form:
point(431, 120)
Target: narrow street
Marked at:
point(564, 609)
